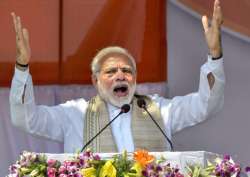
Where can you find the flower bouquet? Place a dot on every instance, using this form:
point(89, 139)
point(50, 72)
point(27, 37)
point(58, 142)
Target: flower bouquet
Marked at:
point(142, 164)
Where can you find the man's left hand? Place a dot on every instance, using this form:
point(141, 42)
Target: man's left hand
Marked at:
point(212, 32)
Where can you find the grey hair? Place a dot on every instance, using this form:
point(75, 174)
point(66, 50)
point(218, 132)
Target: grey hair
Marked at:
point(95, 64)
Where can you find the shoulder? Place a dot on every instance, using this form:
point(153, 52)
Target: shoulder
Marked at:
point(159, 100)
point(76, 104)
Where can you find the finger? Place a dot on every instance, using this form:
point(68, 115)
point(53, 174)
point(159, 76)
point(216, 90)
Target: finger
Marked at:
point(214, 13)
point(26, 36)
point(14, 20)
point(19, 30)
point(205, 23)
point(217, 14)
point(216, 4)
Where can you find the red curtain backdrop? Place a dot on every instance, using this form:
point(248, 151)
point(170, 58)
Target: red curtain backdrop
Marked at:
point(236, 13)
point(41, 18)
point(66, 34)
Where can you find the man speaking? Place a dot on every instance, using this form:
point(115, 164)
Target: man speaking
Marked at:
point(114, 73)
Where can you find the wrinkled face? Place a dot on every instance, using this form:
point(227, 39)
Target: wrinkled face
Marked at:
point(116, 80)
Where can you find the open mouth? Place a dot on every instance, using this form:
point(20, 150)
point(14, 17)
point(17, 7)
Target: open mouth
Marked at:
point(121, 90)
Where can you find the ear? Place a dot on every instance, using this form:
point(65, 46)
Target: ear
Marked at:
point(94, 79)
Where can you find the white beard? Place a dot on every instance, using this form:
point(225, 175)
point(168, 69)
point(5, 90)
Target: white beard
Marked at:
point(108, 96)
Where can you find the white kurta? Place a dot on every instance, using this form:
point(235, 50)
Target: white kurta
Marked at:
point(64, 122)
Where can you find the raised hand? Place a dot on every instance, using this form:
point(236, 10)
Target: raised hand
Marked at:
point(212, 32)
point(23, 52)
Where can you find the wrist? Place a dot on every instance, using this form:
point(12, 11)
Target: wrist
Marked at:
point(216, 54)
point(22, 67)
point(217, 57)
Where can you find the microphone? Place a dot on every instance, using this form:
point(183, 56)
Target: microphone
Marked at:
point(124, 109)
point(142, 104)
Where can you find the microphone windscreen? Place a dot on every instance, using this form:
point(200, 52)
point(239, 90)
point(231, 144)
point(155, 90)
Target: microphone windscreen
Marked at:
point(125, 108)
point(141, 102)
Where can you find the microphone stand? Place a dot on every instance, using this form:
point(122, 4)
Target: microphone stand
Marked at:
point(124, 109)
point(142, 104)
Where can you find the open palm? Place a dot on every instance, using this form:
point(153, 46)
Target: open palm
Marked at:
point(23, 53)
point(212, 32)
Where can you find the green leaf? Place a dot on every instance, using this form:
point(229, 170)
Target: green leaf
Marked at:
point(196, 171)
point(34, 173)
point(25, 170)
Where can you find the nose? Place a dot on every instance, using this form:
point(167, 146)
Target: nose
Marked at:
point(120, 76)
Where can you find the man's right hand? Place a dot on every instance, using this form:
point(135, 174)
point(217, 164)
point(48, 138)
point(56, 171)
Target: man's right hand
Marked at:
point(23, 52)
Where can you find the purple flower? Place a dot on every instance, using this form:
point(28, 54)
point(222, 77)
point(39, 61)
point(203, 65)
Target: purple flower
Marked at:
point(247, 169)
point(158, 168)
point(77, 175)
point(232, 169)
point(81, 162)
point(227, 168)
point(145, 173)
point(238, 174)
point(226, 157)
point(176, 170)
point(86, 154)
point(97, 157)
point(150, 167)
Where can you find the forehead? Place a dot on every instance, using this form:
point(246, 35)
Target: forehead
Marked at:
point(112, 60)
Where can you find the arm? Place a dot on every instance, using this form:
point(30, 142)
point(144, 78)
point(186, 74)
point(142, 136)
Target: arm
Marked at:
point(39, 120)
point(22, 44)
point(213, 36)
point(25, 114)
point(196, 107)
point(193, 108)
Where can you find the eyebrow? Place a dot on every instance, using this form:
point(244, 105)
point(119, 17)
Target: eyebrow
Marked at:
point(124, 67)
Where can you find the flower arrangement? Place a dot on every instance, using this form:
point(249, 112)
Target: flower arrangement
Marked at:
point(221, 168)
point(142, 164)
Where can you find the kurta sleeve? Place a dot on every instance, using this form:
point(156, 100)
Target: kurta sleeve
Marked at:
point(188, 110)
point(47, 121)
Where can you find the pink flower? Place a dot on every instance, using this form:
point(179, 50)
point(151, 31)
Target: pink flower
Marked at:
point(72, 169)
point(63, 175)
point(51, 172)
point(14, 168)
point(62, 169)
point(69, 163)
point(51, 162)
